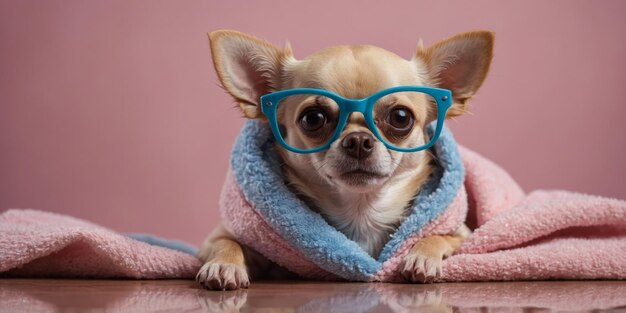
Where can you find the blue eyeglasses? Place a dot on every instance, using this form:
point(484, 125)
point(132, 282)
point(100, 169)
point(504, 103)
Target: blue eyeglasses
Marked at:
point(319, 116)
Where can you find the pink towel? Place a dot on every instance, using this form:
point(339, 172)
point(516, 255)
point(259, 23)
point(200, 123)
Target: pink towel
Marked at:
point(544, 235)
point(42, 244)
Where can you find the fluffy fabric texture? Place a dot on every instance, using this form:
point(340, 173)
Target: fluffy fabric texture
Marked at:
point(544, 235)
point(256, 172)
point(42, 244)
point(166, 243)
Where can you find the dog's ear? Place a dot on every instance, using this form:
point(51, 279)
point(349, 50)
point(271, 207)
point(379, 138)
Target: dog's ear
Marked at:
point(460, 64)
point(248, 67)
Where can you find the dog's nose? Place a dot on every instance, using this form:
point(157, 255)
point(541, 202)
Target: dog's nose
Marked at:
point(358, 145)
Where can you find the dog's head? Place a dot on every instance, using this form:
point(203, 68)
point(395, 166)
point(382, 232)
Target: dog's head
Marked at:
point(356, 162)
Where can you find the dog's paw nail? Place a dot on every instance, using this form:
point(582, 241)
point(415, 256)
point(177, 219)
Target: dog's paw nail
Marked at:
point(222, 276)
point(421, 268)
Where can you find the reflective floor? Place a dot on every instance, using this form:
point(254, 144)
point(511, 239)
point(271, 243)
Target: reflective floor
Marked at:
point(51, 295)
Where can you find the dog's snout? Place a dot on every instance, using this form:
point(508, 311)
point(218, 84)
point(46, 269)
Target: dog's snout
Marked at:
point(358, 145)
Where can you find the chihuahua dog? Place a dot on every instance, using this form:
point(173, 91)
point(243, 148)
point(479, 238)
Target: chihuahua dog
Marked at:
point(360, 187)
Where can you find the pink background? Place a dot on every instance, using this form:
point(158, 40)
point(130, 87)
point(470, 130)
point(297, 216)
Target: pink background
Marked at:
point(111, 110)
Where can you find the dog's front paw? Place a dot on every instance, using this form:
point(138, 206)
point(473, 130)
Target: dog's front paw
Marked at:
point(422, 267)
point(222, 276)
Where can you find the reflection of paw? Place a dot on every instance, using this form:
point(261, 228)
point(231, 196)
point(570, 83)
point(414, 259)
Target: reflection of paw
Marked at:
point(222, 302)
point(222, 276)
point(426, 299)
point(422, 267)
point(418, 299)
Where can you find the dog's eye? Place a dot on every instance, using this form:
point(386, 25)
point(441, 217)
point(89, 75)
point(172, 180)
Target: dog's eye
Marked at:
point(400, 119)
point(313, 119)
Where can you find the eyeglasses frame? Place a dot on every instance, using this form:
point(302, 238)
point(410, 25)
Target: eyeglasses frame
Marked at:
point(365, 106)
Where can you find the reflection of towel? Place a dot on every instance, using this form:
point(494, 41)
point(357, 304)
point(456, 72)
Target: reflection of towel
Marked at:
point(41, 244)
point(540, 236)
point(541, 296)
point(184, 296)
